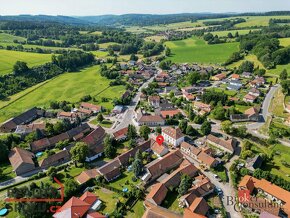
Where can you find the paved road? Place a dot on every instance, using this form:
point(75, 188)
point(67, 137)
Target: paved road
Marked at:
point(127, 117)
point(265, 109)
point(227, 188)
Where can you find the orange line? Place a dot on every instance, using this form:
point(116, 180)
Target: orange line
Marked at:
point(41, 199)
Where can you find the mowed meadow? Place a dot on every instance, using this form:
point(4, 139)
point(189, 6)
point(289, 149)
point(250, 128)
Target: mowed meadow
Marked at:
point(8, 59)
point(196, 50)
point(69, 86)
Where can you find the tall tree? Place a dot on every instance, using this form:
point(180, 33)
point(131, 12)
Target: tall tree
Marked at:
point(79, 152)
point(284, 75)
point(205, 128)
point(184, 185)
point(145, 131)
point(109, 149)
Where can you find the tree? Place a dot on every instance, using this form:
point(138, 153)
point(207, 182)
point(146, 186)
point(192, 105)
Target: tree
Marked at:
point(244, 172)
point(184, 185)
point(137, 165)
point(51, 172)
point(226, 126)
point(193, 77)
point(158, 130)
point(284, 75)
point(205, 128)
point(132, 132)
point(182, 125)
point(100, 118)
point(4, 151)
point(198, 119)
point(133, 57)
point(246, 66)
point(132, 143)
point(191, 131)
point(71, 188)
point(167, 52)
point(230, 35)
point(191, 115)
point(79, 152)
point(109, 149)
point(219, 112)
point(20, 67)
point(145, 131)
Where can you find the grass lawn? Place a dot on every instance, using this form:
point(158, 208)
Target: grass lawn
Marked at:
point(8, 59)
point(70, 87)
point(137, 211)
point(285, 42)
point(276, 106)
point(279, 69)
point(281, 155)
point(109, 200)
point(104, 123)
point(124, 181)
point(229, 93)
point(242, 108)
point(221, 172)
point(7, 172)
point(171, 202)
point(198, 51)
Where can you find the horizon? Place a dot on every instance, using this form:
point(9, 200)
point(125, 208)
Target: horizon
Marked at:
point(157, 7)
point(91, 15)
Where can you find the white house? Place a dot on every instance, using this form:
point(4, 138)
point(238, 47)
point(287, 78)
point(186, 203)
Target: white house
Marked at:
point(173, 136)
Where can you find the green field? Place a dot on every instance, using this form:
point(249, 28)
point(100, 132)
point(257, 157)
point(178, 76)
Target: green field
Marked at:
point(285, 42)
point(155, 38)
point(197, 50)
point(233, 32)
point(259, 20)
point(8, 59)
point(250, 57)
point(69, 87)
point(5, 37)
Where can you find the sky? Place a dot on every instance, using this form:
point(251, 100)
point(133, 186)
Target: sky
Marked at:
point(100, 7)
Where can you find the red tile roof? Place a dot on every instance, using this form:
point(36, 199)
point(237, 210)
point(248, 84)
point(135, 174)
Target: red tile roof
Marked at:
point(199, 206)
point(157, 194)
point(169, 113)
point(89, 197)
point(122, 133)
point(91, 106)
point(173, 133)
point(17, 156)
point(87, 175)
point(73, 208)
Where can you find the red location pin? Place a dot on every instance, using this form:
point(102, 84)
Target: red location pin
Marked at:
point(160, 139)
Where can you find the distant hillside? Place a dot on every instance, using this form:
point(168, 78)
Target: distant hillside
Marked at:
point(134, 19)
point(45, 18)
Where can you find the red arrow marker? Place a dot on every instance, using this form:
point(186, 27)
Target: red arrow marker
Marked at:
point(160, 139)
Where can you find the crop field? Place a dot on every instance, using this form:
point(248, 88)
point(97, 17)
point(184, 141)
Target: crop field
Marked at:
point(184, 26)
point(225, 33)
point(196, 50)
point(252, 21)
point(250, 57)
point(69, 86)
point(155, 38)
point(5, 37)
point(8, 59)
point(285, 42)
